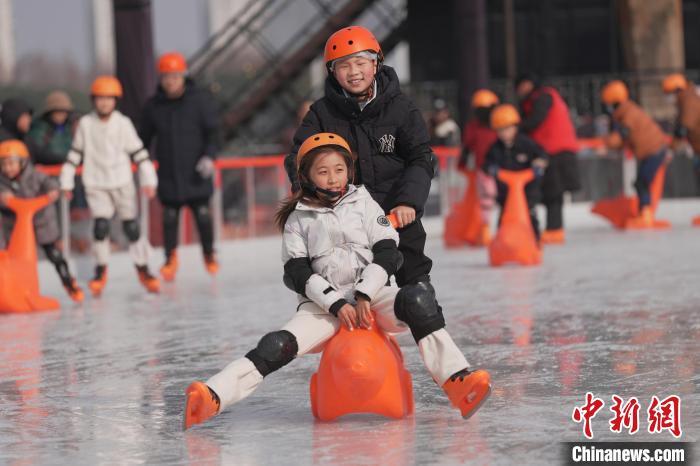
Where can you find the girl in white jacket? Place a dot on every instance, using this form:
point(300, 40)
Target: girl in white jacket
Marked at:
point(339, 251)
point(105, 144)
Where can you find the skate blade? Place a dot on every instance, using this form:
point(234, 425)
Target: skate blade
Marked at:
point(478, 406)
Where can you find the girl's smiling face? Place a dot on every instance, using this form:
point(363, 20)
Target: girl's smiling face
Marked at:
point(329, 171)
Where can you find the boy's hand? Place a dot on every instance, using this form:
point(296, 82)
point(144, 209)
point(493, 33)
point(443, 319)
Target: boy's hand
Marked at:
point(53, 195)
point(148, 191)
point(404, 214)
point(539, 163)
point(5, 196)
point(68, 194)
point(364, 313)
point(348, 317)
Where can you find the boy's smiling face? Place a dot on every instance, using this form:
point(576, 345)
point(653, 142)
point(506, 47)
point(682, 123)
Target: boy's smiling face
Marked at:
point(355, 74)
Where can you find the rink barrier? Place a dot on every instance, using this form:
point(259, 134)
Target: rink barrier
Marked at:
point(449, 183)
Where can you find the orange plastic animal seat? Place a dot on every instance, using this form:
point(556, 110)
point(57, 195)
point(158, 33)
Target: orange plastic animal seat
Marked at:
point(361, 372)
point(465, 224)
point(19, 280)
point(515, 241)
point(622, 210)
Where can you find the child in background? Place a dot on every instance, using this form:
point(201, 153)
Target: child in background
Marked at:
point(630, 125)
point(515, 151)
point(18, 178)
point(478, 139)
point(339, 251)
point(106, 144)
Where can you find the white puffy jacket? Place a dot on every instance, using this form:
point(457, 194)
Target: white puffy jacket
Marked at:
point(106, 150)
point(338, 242)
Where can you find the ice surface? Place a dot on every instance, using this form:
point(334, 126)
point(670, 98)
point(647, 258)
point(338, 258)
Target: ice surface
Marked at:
point(610, 313)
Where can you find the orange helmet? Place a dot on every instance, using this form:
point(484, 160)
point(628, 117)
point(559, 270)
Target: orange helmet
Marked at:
point(320, 140)
point(484, 98)
point(106, 86)
point(13, 148)
point(614, 92)
point(503, 116)
point(351, 40)
point(172, 62)
point(674, 82)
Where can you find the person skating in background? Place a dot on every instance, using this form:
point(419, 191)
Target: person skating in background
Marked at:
point(632, 126)
point(15, 123)
point(18, 178)
point(53, 129)
point(547, 121)
point(182, 121)
point(444, 131)
point(515, 151)
point(339, 251)
point(106, 144)
point(477, 139)
point(686, 131)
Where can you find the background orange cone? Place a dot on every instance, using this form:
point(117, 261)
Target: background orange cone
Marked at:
point(620, 210)
point(464, 224)
point(361, 372)
point(19, 281)
point(515, 240)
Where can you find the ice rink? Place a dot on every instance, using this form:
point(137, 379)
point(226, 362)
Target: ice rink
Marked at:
point(610, 313)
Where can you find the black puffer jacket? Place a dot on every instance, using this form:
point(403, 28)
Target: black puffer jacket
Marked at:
point(185, 130)
point(389, 138)
point(11, 110)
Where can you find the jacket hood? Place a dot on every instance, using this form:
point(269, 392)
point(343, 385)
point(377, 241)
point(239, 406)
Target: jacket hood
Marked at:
point(387, 88)
point(11, 110)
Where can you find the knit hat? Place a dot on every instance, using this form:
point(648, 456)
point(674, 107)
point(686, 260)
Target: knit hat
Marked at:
point(58, 101)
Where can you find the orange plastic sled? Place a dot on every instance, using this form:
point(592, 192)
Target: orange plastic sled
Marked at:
point(465, 224)
point(620, 210)
point(361, 372)
point(19, 281)
point(515, 240)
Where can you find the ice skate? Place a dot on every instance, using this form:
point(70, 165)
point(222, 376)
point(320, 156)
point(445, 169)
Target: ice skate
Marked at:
point(553, 236)
point(169, 269)
point(211, 264)
point(151, 283)
point(98, 283)
point(468, 390)
point(74, 291)
point(201, 404)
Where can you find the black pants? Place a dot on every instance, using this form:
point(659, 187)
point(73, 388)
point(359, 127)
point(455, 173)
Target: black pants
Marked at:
point(416, 265)
point(561, 175)
point(201, 211)
point(55, 256)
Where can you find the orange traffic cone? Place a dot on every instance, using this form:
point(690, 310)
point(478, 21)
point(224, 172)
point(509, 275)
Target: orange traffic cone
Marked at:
point(696, 221)
point(465, 223)
point(515, 240)
point(361, 372)
point(623, 211)
point(19, 280)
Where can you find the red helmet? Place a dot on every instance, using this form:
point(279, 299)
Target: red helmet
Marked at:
point(351, 40)
point(172, 62)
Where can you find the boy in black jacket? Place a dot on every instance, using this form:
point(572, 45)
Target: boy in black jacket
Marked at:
point(364, 104)
point(515, 151)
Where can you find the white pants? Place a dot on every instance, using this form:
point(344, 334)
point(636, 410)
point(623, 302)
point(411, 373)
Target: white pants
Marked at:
point(313, 327)
point(104, 203)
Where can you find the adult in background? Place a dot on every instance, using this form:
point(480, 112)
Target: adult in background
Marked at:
point(182, 120)
point(547, 121)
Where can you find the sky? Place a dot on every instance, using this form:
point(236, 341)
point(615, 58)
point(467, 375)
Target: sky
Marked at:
point(63, 28)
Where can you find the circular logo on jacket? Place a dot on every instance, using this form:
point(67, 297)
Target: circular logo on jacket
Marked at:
point(383, 221)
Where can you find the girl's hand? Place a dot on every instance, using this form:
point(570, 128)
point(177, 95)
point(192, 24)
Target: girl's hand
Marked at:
point(5, 196)
point(404, 214)
point(364, 313)
point(148, 191)
point(53, 195)
point(68, 194)
point(348, 317)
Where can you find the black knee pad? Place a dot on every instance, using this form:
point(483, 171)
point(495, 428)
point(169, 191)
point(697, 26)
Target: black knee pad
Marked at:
point(131, 230)
point(416, 305)
point(274, 350)
point(100, 229)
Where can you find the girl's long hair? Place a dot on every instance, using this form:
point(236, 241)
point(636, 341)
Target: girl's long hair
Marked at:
point(288, 205)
